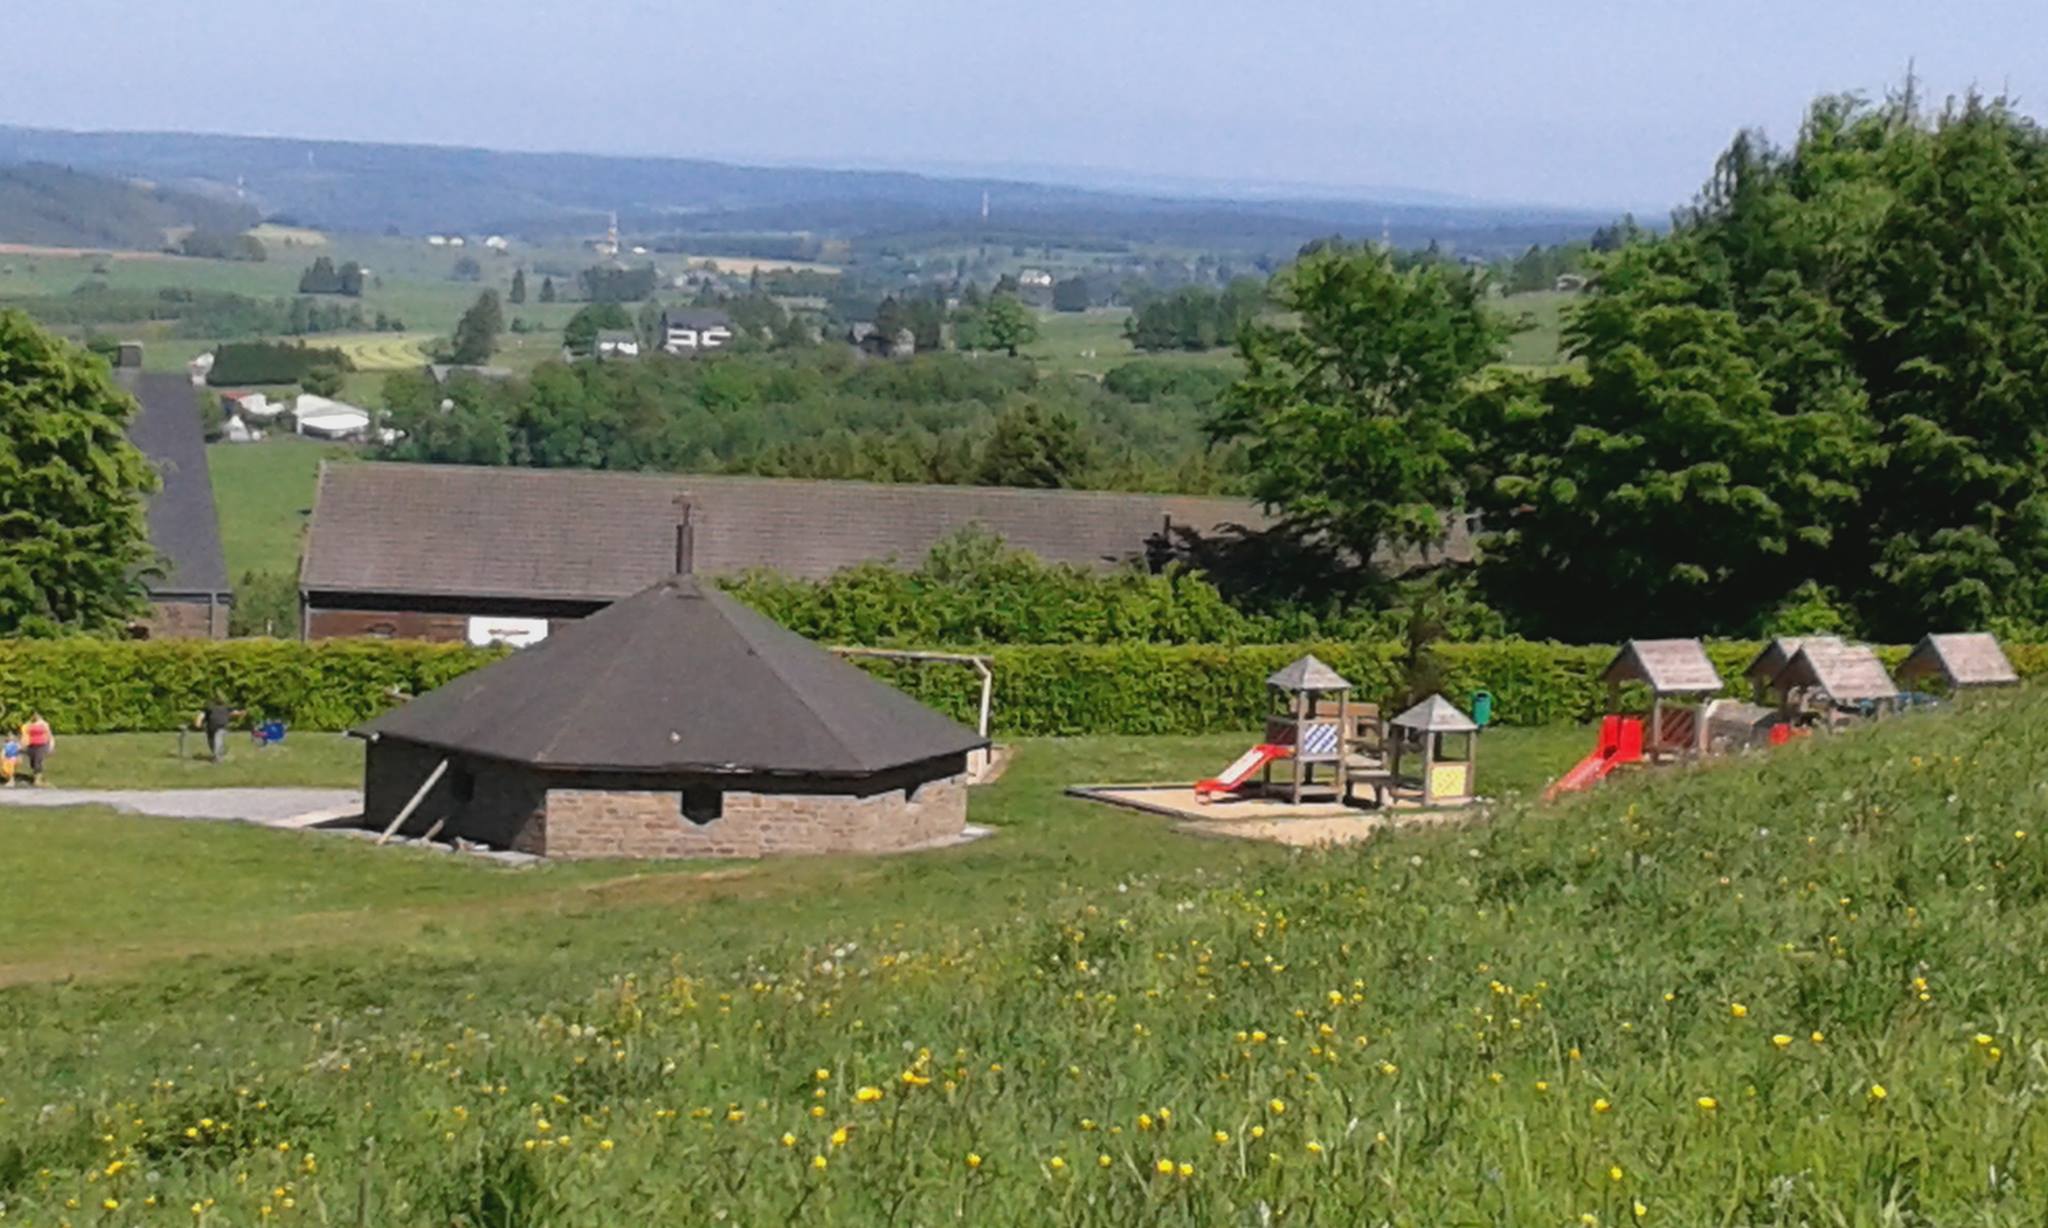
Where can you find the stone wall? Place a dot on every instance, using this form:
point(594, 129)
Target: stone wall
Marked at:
point(584, 823)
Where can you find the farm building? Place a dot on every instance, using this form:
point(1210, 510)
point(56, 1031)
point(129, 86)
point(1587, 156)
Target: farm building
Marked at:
point(692, 330)
point(676, 723)
point(190, 599)
point(1960, 661)
point(324, 418)
point(443, 551)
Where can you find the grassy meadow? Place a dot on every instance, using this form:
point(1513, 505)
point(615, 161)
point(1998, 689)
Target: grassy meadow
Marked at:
point(263, 493)
point(1790, 988)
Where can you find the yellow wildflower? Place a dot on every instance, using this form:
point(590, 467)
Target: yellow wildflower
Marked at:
point(1601, 1106)
point(1221, 1137)
point(1781, 1040)
point(1877, 1091)
point(1707, 1104)
point(868, 1095)
point(973, 1160)
point(1164, 1167)
point(1738, 1010)
point(819, 1162)
point(1276, 1105)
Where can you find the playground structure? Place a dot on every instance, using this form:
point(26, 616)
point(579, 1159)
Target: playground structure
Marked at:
point(1960, 661)
point(1316, 739)
point(1768, 664)
point(1441, 778)
point(1828, 684)
point(1680, 679)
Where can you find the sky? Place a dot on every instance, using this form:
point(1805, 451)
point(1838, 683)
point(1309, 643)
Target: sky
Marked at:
point(1571, 102)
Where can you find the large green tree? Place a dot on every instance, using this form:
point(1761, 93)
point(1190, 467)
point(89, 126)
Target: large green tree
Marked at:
point(1832, 376)
point(1007, 324)
point(73, 543)
point(1348, 410)
point(476, 333)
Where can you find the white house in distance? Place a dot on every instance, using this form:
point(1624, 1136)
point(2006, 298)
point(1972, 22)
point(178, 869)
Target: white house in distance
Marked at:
point(1036, 279)
point(616, 343)
point(497, 243)
point(692, 330)
point(437, 240)
point(252, 407)
point(323, 418)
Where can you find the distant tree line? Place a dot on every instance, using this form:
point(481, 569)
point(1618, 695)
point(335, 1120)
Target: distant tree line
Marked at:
point(606, 284)
point(1195, 317)
point(201, 313)
point(823, 413)
point(322, 277)
point(270, 362)
point(222, 245)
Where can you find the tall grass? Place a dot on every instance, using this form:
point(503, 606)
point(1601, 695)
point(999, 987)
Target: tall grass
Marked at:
point(1799, 988)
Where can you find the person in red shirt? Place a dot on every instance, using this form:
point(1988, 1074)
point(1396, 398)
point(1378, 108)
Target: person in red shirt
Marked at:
point(36, 740)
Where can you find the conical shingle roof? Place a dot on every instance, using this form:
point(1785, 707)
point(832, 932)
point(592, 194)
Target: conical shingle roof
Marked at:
point(1308, 673)
point(678, 677)
point(1435, 715)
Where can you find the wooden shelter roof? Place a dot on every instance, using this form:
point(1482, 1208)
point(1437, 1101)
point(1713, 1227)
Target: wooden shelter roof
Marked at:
point(1845, 673)
point(1771, 661)
point(1668, 667)
point(1308, 673)
point(678, 678)
point(1435, 715)
point(1965, 659)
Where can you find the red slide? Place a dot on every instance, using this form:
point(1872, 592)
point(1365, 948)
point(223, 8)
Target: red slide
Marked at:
point(1621, 741)
point(1234, 777)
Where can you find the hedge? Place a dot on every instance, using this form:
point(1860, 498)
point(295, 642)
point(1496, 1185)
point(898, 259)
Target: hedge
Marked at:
point(97, 686)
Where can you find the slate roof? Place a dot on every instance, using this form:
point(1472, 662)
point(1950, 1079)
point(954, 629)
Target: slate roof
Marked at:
point(678, 678)
point(1845, 673)
point(1775, 654)
point(1669, 667)
point(1965, 659)
point(575, 535)
point(182, 523)
point(1435, 715)
point(1308, 674)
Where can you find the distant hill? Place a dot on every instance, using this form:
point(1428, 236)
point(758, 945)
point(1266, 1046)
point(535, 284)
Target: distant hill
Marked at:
point(60, 207)
point(417, 189)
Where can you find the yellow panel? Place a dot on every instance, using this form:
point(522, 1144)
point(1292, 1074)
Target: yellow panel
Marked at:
point(1450, 780)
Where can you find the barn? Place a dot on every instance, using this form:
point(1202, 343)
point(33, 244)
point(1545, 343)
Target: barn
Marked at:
point(454, 552)
point(674, 723)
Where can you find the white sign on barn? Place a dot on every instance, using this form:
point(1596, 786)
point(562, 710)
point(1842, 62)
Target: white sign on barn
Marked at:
point(518, 632)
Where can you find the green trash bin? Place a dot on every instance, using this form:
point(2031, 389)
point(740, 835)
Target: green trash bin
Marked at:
point(1482, 708)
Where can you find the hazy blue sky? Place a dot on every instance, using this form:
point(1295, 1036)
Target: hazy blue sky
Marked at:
point(1567, 101)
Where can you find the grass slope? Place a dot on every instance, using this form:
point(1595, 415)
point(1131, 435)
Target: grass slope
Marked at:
point(262, 493)
point(1794, 988)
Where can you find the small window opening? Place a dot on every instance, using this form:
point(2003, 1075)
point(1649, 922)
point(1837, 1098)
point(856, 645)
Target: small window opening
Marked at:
point(703, 805)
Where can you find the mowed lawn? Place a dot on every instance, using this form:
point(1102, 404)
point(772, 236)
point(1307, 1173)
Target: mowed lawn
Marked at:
point(161, 761)
point(186, 913)
point(263, 493)
point(1795, 987)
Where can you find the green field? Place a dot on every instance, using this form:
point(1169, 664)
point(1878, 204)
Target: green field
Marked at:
point(1794, 988)
point(263, 493)
point(1091, 342)
point(1538, 344)
point(161, 761)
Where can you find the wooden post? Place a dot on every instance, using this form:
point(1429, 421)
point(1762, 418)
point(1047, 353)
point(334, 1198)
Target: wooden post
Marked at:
point(1656, 727)
point(1300, 703)
point(419, 795)
point(1428, 766)
point(1472, 765)
point(1343, 745)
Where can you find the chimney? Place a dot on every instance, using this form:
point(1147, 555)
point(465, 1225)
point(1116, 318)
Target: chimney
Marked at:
point(686, 540)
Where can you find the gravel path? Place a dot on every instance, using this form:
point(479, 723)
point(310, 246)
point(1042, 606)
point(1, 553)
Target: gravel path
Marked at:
point(277, 807)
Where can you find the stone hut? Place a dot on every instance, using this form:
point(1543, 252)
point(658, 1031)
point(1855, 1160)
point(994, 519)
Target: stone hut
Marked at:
point(674, 723)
